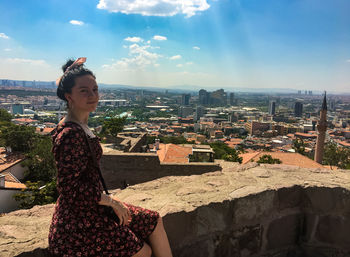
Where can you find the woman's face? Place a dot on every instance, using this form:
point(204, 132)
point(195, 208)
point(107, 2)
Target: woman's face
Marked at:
point(84, 96)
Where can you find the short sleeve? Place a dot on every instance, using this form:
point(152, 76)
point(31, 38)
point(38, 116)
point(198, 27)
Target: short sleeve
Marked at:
point(75, 178)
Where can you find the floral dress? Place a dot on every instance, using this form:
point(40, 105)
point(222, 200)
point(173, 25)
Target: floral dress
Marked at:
point(80, 226)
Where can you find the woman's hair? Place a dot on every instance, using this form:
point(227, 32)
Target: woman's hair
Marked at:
point(67, 81)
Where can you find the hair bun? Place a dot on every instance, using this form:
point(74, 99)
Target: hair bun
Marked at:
point(67, 64)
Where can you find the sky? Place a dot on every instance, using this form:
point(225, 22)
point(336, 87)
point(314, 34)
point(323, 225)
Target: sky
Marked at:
point(296, 44)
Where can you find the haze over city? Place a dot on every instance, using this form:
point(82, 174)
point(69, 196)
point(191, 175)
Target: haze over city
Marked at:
point(302, 45)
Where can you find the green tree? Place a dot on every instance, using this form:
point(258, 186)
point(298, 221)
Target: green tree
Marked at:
point(266, 158)
point(113, 126)
point(336, 156)
point(36, 194)
point(5, 115)
point(299, 146)
point(223, 151)
point(40, 161)
point(20, 138)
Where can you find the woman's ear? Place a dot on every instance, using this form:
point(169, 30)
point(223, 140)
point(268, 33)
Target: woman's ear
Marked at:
point(68, 97)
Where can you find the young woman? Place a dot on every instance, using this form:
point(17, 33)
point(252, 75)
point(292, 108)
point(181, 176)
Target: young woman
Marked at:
point(80, 225)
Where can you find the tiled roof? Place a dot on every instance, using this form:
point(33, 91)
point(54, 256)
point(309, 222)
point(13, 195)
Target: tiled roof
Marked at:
point(171, 153)
point(294, 159)
point(14, 185)
point(7, 160)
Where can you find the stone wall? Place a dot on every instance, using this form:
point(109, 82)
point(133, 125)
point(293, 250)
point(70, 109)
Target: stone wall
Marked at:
point(135, 168)
point(266, 210)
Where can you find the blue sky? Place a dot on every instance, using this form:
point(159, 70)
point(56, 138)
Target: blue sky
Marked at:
point(301, 44)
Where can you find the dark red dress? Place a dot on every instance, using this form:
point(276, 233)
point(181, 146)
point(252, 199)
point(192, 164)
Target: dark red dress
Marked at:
point(79, 224)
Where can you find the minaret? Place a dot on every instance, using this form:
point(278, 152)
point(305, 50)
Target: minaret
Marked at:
point(321, 128)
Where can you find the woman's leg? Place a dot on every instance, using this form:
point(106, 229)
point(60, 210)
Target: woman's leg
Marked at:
point(159, 241)
point(145, 251)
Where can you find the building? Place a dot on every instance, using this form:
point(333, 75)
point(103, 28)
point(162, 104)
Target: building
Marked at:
point(321, 128)
point(203, 97)
point(185, 99)
point(11, 171)
point(272, 107)
point(256, 127)
point(200, 111)
point(298, 109)
point(232, 98)
point(218, 97)
point(17, 109)
point(185, 111)
point(114, 102)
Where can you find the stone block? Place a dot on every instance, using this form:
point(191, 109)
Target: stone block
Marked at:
point(334, 230)
point(226, 245)
point(289, 197)
point(249, 240)
point(309, 225)
point(284, 232)
point(180, 228)
point(320, 199)
point(215, 217)
point(201, 248)
point(250, 210)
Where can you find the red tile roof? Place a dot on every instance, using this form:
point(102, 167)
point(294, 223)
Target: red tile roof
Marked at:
point(171, 153)
point(294, 159)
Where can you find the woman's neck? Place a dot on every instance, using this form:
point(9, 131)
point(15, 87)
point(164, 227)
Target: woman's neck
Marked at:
point(80, 117)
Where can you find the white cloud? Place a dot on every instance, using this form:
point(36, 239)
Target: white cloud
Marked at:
point(348, 60)
point(175, 57)
point(196, 48)
point(4, 36)
point(179, 65)
point(159, 38)
point(7, 49)
point(140, 58)
point(26, 61)
point(155, 7)
point(133, 39)
point(75, 22)
point(189, 63)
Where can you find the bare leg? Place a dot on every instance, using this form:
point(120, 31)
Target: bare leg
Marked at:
point(159, 241)
point(145, 251)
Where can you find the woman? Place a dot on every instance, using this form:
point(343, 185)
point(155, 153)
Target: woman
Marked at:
point(80, 225)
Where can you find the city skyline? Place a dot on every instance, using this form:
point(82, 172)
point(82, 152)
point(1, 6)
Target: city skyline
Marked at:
point(289, 44)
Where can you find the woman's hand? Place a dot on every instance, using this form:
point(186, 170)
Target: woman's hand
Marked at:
point(122, 212)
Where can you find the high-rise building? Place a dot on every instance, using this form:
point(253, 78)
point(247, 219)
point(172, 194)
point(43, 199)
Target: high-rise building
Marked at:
point(200, 111)
point(332, 105)
point(298, 109)
point(272, 107)
point(185, 99)
point(203, 97)
point(17, 109)
point(218, 97)
point(299, 92)
point(321, 128)
point(232, 98)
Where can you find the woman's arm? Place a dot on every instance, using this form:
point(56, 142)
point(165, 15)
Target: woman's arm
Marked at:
point(118, 206)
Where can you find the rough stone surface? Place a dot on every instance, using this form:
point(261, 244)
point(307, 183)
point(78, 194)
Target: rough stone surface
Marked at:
point(266, 210)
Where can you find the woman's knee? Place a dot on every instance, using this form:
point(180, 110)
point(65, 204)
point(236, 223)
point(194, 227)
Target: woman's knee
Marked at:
point(145, 251)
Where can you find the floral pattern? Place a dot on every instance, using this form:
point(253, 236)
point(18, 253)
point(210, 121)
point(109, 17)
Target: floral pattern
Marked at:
point(80, 226)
